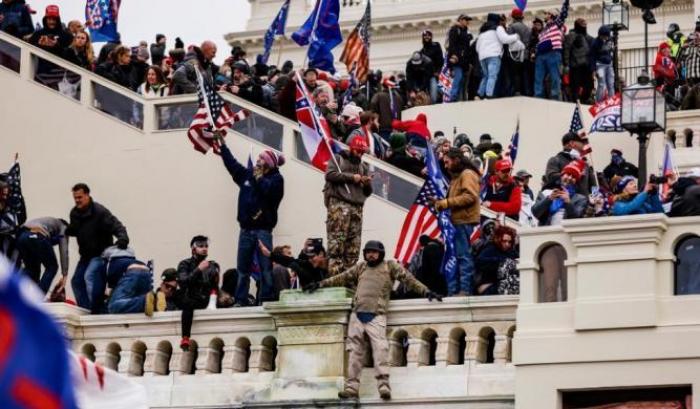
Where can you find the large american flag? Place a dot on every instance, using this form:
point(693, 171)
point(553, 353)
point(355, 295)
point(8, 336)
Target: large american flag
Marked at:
point(421, 219)
point(214, 114)
point(576, 127)
point(356, 49)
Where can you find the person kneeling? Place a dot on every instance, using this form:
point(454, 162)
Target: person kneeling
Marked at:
point(374, 278)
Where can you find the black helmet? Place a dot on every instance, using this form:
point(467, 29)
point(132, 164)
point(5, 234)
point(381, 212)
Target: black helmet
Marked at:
point(374, 245)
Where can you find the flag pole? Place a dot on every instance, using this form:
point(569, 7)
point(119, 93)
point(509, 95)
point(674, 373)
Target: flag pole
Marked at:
point(200, 82)
point(279, 51)
point(590, 154)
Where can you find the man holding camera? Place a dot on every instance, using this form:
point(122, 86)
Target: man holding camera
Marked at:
point(559, 200)
point(259, 198)
point(348, 185)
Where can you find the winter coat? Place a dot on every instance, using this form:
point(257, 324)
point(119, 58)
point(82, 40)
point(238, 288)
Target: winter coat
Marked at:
point(306, 272)
point(94, 228)
point(556, 163)
point(185, 77)
point(374, 284)
point(488, 260)
point(504, 199)
point(197, 285)
point(522, 30)
point(690, 60)
point(64, 38)
point(463, 198)
point(572, 210)
point(258, 198)
point(339, 179)
point(157, 53)
point(54, 230)
point(77, 57)
point(418, 126)
point(250, 91)
point(490, 43)
point(458, 41)
point(602, 51)
point(162, 91)
point(381, 104)
point(664, 69)
point(642, 203)
point(687, 204)
point(433, 50)
point(418, 75)
point(623, 169)
point(16, 19)
point(577, 50)
point(407, 163)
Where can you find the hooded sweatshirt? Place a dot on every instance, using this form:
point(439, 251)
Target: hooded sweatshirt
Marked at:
point(64, 37)
point(16, 19)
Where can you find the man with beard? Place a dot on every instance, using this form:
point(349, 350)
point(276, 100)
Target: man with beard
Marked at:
point(52, 38)
point(373, 278)
point(433, 50)
point(243, 85)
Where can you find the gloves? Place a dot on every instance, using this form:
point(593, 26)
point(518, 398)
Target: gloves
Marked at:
point(122, 244)
point(311, 287)
point(432, 295)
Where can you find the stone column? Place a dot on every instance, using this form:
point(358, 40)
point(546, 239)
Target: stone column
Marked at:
point(229, 362)
point(176, 362)
point(311, 331)
point(500, 350)
point(260, 359)
point(395, 352)
point(476, 349)
point(203, 357)
point(416, 346)
point(124, 366)
point(149, 362)
point(443, 346)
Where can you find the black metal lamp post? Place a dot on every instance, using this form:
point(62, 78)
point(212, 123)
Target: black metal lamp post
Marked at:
point(616, 15)
point(643, 112)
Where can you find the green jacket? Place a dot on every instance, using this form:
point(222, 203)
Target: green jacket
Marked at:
point(374, 284)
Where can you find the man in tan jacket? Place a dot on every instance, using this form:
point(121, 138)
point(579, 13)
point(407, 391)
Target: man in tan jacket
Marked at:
point(374, 278)
point(464, 204)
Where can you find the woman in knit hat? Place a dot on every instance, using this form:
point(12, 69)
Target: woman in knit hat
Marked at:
point(629, 200)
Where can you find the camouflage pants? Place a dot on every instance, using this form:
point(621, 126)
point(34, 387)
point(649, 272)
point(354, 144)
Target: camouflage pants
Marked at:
point(343, 232)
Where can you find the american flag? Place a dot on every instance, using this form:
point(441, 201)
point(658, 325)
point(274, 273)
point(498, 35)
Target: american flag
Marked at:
point(356, 49)
point(16, 199)
point(667, 169)
point(214, 114)
point(445, 81)
point(512, 152)
point(347, 95)
point(421, 219)
point(576, 127)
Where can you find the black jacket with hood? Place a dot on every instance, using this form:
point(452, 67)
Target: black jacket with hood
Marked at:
point(64, 38)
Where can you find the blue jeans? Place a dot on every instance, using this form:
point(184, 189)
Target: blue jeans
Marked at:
point(86, 271)
point(247, 248)
point(548, 64)
point(606, 80)
point(490, 67)
point(465, 263)
point(37, 251)
point(129, 295)
point(457, 78)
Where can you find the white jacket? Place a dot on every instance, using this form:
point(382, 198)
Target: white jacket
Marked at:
point(490, 43)
point(164, 91)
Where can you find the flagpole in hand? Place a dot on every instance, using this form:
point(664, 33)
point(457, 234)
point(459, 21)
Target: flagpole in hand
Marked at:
point(590, 154)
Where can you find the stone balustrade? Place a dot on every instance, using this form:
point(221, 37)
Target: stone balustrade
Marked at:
point(294, 349)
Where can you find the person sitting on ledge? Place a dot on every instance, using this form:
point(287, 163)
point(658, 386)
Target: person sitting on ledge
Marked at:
point(311, 266)
point(374, 278)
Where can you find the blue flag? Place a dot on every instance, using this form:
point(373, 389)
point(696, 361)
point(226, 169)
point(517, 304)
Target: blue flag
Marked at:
point(514, 141)
point(447, 229)
point(321, 33)
point(101, 17)
point(34, 362)
point(275, 29)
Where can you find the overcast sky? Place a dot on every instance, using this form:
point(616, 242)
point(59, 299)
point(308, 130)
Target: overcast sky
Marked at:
point(192, 20)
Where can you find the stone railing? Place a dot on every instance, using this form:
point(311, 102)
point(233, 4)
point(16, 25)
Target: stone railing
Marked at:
point(294, 349)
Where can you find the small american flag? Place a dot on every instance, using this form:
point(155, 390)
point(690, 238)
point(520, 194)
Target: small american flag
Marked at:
point(445, 81)
point(576, 127)
point(512, 152)
point(356, 49)
point(421, 219)
point(16, 199)
point(214, 114)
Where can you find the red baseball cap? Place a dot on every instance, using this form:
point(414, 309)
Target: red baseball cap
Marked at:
point(52, 11)
point(502, 165)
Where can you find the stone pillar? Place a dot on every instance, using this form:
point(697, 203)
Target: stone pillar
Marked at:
point(149, 361)
point(500, 350)
point(202, 363)
point(230, 356)
point(260, 359)
point(416, 348)
point(125, 362)
point(476, 349)
point(176, 362)
point(395, 353)
point(311, 331)
point(101, 358)
point(443, 347)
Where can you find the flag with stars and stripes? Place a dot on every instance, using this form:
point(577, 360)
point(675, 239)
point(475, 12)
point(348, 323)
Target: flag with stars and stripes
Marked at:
point(352, 84)
point(15, 200)
point(576, 127)
point(356, 51)
point(101, 19)
point(512, 151)
point(213, 115)
point(445, 81)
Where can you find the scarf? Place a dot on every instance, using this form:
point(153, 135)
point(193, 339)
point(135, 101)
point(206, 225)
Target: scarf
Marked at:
point(558, 203)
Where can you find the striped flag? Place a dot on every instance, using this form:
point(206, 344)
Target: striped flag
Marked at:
point(420, 220)
point(667, 169)
point(356, 52)
point(512, 152)
point(445, 81)
point(315, 132)
point(576, 127)
point(213, 115)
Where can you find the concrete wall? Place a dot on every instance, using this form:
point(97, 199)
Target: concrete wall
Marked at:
point(154, 182)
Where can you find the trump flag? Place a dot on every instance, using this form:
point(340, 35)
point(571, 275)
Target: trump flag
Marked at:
point(101, 18)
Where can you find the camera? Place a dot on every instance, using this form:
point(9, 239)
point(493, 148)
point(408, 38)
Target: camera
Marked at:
point(658, 180)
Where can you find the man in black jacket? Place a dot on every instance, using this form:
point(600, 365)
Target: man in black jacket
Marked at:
point(433, 50)
point(52, 37)
point(419, 71)
point(243, 85)
point(310, 267)
point(94, 227)
point(261, 192)
point(198, 279)
point(459, 40)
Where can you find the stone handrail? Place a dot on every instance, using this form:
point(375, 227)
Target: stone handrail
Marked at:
point(273, 351)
